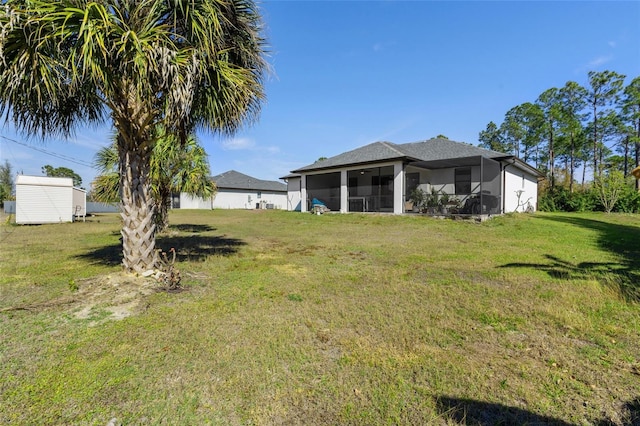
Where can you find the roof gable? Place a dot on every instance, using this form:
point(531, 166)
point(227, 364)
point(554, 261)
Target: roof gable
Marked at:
point(375, 152)
point(443, 149)
point(236, 180)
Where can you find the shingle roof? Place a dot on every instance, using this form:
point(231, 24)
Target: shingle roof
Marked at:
point(429, 150)
point(291, 176)
point(237, 180)
point(443, 149)
point(375, 152)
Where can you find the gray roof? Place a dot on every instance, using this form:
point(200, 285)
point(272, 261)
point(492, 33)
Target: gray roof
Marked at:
point(444, 149)
point(237, 180)
point(429, 150)
point(291, 176)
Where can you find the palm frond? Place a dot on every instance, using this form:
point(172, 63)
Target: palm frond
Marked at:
point(106, 159)
point(106, 188)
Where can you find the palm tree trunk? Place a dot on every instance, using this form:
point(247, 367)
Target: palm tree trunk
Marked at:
point(162, 212)
point(138, 228)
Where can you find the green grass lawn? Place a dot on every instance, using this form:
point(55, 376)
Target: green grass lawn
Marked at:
point(290, 318)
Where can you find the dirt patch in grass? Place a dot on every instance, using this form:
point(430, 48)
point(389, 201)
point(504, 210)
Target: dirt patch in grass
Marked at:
point(113, 296)
point(120, 295)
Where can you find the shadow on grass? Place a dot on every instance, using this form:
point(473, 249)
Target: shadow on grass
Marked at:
point(479, 413)
point(621, 240)
point(188, 227)
point(188, 248)
point(106, 255)
point(199, 247)
point(472, 412)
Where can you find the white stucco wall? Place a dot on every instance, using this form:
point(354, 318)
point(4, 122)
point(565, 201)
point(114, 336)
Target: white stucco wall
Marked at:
point(41, 199)
point(398, 186)
point(188, 201)
point(235, 199)
point(303, 193)
point(239, 199)
point(294, 195)
point(443, 180)
point(519, 180)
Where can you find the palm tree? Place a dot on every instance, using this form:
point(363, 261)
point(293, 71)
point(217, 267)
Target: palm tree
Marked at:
point(174, 168)
point(105, 188)
point(178, 168)
point(181, 65)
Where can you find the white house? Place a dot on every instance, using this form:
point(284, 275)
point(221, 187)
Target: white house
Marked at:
point(380, 177)
point(41, 199)
point(238, 191)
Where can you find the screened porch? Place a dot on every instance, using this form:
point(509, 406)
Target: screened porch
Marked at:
point(457, 186)
point(462, 186)
point(369, 189)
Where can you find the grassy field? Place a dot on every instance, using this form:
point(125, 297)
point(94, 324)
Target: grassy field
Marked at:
point(289, 318)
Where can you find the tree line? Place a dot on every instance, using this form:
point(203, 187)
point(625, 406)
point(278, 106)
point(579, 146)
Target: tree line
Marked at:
point(594, 128)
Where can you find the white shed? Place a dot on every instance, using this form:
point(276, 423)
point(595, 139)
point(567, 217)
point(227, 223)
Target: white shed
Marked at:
point(41, 199)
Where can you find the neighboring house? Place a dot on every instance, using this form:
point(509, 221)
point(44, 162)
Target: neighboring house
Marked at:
point(41, 199)
point(381, 176)
point(237, 191)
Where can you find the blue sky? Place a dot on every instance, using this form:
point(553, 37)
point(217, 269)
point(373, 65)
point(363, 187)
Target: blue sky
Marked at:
point(348, 73)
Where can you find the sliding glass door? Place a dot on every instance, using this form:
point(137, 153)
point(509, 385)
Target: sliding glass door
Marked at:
point(371, 189)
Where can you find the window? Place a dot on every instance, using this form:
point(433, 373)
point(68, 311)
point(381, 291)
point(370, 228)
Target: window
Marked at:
point(463, 181)
point(259, 195)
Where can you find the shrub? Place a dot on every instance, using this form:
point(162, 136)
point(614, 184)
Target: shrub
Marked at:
point(560, 199)
point(609, 187)
point(629, 201)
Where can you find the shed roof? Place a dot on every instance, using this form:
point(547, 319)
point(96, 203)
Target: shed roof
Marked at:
point(236, 180)
point(44, 181)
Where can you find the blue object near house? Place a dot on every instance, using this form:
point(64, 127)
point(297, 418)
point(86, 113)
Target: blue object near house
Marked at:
point(316, 202)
